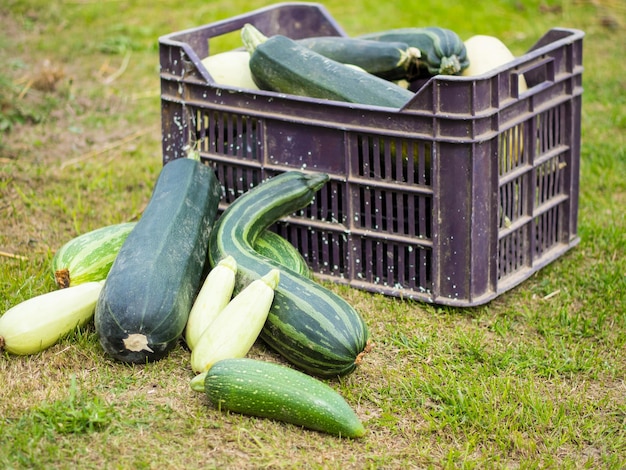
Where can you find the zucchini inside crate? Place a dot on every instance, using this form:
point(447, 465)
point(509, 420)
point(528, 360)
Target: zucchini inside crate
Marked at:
point(455, 198)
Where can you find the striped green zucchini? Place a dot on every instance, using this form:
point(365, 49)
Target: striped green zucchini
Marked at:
point(266, 390)
point(275, 247)
point(88, 257)
point(309, 325)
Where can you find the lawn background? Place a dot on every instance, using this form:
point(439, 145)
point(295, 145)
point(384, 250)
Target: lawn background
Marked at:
point(534, 379)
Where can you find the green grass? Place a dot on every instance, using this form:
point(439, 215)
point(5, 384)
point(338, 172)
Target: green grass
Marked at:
point(534, 379)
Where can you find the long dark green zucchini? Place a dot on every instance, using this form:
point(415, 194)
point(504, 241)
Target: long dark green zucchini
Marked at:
point(388, 60)
point(148, 293)
point(309, 325)
point(281, 64)
point(442, 50)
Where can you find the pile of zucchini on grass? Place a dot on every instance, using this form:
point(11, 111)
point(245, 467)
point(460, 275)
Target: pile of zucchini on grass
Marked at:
point(223, 282)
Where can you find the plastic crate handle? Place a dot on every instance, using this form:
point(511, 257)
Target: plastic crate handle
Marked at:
point(295, 20)
point(539, 74)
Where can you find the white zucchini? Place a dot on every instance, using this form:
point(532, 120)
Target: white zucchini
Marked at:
point(236, 328)
point(39, 322)
point(213, 297)
point(486, 53)
point(231, 68)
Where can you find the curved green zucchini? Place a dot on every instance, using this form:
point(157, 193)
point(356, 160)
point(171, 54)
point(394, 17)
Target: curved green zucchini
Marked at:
point(273, 246)
point(309, 325)
point(266, 390)
point(148, 294)
point(281, 64)
point(88, 257)
point(388, 60)
point(442, 50)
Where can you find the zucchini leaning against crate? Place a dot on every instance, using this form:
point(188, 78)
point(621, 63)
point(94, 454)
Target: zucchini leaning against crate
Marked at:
point(148, 294)
point(266, 390)
point(309, 325)
point(88, 257)
point(281, 64)
point(442, 50)
point(388, 60)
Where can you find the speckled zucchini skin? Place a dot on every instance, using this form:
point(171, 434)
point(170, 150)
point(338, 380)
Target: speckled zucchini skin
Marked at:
point(267, 390)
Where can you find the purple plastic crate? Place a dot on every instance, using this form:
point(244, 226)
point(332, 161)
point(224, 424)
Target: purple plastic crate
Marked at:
point(454, 199)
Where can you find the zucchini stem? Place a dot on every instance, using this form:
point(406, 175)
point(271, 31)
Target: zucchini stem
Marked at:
point(252, 37)
point(197, 383)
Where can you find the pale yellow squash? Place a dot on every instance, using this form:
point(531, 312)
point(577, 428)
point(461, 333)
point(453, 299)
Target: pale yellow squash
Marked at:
point(231, 68)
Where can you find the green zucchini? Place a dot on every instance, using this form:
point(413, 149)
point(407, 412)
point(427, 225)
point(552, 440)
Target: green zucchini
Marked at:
point(281, 64)
point(88, 257)
point(388, 60)
point(148, 294)
point(273, 246)
point(267, 390)
point(309, 325)
point(442, 50)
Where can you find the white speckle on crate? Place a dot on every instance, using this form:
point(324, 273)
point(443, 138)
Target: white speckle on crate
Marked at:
point(359, 275)
point(410, 249)
point(180, 89)
point(451, 238)
point(335, 267)
point(357, 261)
point(325, 263)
